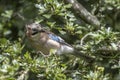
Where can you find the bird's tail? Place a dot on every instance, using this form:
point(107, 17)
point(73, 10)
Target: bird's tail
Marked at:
point(85, 57)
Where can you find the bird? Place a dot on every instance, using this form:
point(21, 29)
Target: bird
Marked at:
point(45, 41)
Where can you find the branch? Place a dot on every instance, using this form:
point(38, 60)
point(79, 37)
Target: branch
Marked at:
point(108, 50)
point(83, 13)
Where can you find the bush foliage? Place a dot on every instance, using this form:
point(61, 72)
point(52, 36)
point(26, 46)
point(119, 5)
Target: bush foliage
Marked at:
point(18, 61)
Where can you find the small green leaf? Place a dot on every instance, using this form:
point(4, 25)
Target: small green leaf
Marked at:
point(47, 16)
point(62, 32)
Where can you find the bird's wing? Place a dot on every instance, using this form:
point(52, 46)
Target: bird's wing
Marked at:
point(57, 39)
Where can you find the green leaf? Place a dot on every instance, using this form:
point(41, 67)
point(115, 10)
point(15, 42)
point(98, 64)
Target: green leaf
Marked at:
point(47, 16)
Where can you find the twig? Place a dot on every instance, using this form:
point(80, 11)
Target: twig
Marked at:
point(81, 42)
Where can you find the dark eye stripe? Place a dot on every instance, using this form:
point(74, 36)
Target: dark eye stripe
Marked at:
point(35, 29)
point(35, 32)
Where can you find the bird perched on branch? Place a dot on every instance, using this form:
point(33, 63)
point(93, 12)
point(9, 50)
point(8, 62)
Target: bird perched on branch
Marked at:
point(43, 40)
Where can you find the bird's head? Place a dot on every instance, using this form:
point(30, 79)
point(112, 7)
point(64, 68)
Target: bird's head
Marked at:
point(32, 29)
